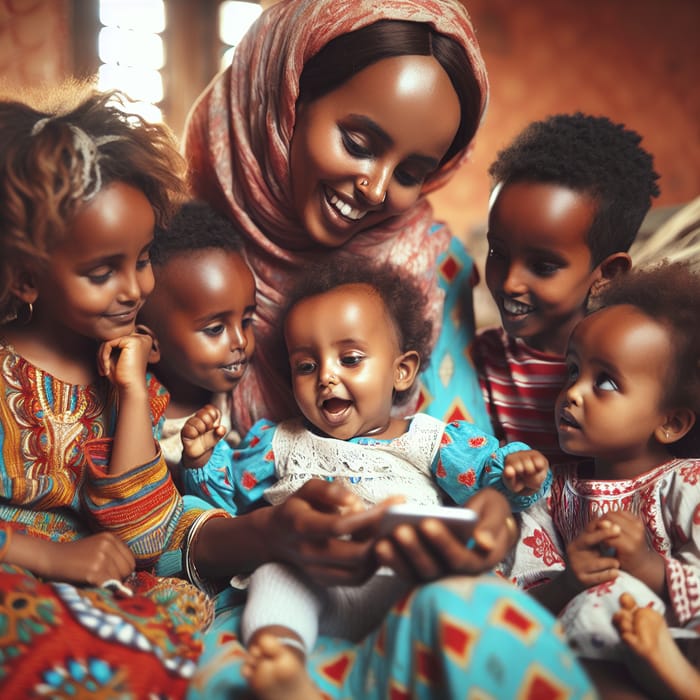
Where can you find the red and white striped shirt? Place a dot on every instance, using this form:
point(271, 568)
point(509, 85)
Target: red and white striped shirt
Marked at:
point(520, 386)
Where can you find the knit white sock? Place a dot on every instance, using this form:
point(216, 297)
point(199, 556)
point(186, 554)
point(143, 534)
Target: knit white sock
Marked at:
point(278, 595)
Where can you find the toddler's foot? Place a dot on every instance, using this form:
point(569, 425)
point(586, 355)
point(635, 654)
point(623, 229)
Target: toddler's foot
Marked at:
point(665, 671)
point(276, 672)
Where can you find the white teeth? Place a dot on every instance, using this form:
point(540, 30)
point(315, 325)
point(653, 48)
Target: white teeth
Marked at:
point(345, 209)
point(515, 307)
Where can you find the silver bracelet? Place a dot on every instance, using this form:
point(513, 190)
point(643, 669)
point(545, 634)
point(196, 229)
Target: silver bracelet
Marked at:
point(292, 642)
point(192, 536)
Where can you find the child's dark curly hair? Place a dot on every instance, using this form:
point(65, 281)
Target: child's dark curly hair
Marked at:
point(404, 301)
point(195, 226)
point(55, 157)
point(668, 293)
point(591, 155)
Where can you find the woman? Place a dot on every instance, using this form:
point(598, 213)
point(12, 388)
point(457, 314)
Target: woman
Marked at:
point(333, 122)
point(269, 144)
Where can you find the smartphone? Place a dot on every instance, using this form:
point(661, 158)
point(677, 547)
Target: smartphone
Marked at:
point(460, 520)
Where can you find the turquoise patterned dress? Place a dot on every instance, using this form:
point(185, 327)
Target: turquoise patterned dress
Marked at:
point(460, 637)
point(449, 384)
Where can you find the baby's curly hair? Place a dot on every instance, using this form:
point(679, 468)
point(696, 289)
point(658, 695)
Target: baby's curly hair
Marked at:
point(668, 293)
point(59, 149)
point(404, 301)
point(590, 155)
point(196, 225)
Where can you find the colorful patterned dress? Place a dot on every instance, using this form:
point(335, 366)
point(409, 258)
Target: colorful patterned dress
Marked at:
point(59, 640)
point(458, 638)
point(667, 499)
point(431, 463)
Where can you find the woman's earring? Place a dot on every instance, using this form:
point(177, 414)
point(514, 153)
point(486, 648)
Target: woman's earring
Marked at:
point(24, 315)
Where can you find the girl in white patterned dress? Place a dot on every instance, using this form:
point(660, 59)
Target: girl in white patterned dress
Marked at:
point(627, 519)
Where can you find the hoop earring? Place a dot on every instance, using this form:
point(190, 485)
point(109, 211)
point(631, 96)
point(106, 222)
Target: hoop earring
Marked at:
point(25, 317)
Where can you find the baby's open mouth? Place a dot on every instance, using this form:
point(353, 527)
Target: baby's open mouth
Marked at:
point(335, 405)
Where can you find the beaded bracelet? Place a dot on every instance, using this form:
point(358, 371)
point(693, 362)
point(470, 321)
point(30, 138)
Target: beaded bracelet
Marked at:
point(5, 541)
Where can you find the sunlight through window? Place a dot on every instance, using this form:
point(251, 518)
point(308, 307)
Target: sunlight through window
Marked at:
point(234, 20)
point(131, 52)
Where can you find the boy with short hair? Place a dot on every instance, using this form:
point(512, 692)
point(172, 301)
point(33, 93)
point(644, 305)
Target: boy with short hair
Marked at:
point(569, 196)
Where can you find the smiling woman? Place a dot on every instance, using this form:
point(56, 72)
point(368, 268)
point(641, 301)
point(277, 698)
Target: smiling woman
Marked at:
point(334, 120)
point(332, 123)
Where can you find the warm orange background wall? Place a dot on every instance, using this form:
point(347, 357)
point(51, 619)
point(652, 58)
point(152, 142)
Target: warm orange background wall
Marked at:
point(637, 61)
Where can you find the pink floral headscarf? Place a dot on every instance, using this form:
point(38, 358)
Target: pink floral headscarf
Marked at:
point(237, 141)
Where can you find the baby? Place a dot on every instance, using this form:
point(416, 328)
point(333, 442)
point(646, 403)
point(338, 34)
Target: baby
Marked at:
point(356, 338)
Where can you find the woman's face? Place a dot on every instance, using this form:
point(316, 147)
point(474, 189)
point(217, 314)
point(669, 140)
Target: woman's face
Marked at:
point(360, 154)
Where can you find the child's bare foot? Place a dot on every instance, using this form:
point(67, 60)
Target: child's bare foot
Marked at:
point(274, 671)
point(666, 673)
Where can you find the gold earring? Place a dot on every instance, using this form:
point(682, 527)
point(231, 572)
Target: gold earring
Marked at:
point(24, 315)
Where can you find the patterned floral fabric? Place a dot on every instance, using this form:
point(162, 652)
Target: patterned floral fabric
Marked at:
point(55, 441)
point(58, 640)
point(237, 142)
point(62, 641)
point(666, 498)
point(459, 638)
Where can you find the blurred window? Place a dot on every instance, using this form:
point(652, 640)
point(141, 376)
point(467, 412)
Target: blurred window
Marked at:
point(234, 20)
point(132, 53)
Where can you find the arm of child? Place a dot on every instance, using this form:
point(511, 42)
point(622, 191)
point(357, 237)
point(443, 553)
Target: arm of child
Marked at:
point(199, 436)
point(123, 361)
point(91, 560)
point(524, 472)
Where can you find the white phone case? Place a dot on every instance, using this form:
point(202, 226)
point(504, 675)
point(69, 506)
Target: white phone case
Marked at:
point(462, 520)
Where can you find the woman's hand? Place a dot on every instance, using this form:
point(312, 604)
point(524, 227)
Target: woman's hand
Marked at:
point(318, 530)
point(199, 436)
point(431, 550)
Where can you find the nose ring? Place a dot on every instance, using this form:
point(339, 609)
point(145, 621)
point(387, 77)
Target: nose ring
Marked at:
point(365, 183)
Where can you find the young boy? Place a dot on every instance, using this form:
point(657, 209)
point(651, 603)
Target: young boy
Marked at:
point(201, 314)
point(569, 196)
